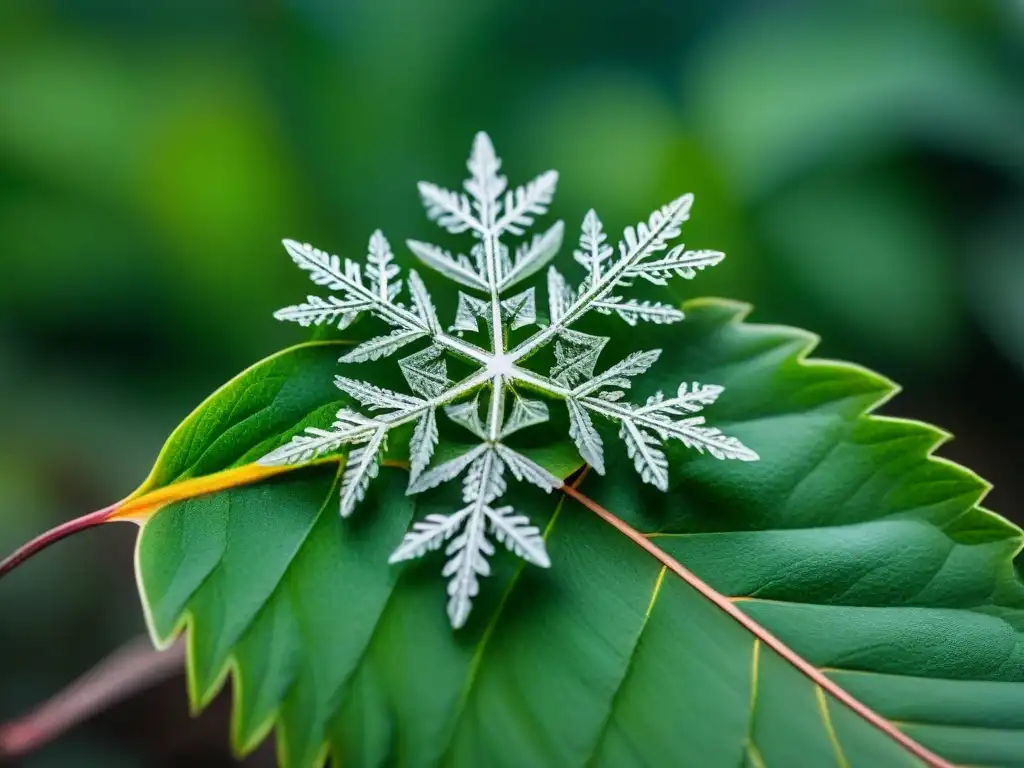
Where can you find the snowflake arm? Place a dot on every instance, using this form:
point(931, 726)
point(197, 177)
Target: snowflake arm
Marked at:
point(382, 346)
point(527, 470)
point(457, 268)
point(619, 374)
point(350, 428)
point(606, 271)
point(369, 288)
point(594, 251)
point(351, 279)
point(525, 413)
point(362, 466)
point(421, 447)
point(524, 203)
point(452, 210)
point(533, 257)
point(633, 311)
point(662, 419)
point(586, 437)
point(422, 304)
point(493, 403)
point(678, 262)
point(317, 311)
point(470, 549)
point(449, 470)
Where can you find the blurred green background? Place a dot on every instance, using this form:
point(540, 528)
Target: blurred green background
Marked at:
point(862, 163)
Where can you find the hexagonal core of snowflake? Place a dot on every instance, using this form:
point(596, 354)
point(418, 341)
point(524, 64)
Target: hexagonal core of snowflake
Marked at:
point(491, 213)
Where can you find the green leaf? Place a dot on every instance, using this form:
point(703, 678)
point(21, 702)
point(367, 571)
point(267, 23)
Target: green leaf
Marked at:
point(994, 280)
point(865, 556)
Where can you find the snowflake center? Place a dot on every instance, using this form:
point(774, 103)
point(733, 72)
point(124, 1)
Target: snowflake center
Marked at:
point(500, 364)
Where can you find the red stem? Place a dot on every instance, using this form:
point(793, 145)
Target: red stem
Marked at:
point(129, 670)
point(721, 601)
point(52, 536)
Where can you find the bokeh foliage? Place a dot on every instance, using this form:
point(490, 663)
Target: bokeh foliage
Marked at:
point(862, 163)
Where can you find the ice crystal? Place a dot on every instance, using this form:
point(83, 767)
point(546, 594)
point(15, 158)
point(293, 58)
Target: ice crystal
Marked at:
point(491, 212)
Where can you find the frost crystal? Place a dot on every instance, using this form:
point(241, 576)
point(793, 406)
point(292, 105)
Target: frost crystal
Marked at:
point(490, 211)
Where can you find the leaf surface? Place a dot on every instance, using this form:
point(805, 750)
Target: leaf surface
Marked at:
point(866, 557)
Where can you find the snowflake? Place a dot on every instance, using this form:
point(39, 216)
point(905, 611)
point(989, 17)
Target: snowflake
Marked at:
point(490, 212)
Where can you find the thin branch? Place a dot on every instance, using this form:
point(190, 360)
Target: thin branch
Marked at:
point(131, 669)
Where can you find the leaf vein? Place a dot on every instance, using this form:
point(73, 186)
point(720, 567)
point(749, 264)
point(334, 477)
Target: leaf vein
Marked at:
point(830, 730)
point(616, 694)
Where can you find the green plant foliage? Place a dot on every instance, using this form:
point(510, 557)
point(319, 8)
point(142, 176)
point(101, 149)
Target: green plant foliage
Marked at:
point(847, 541)
point(995, 287)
